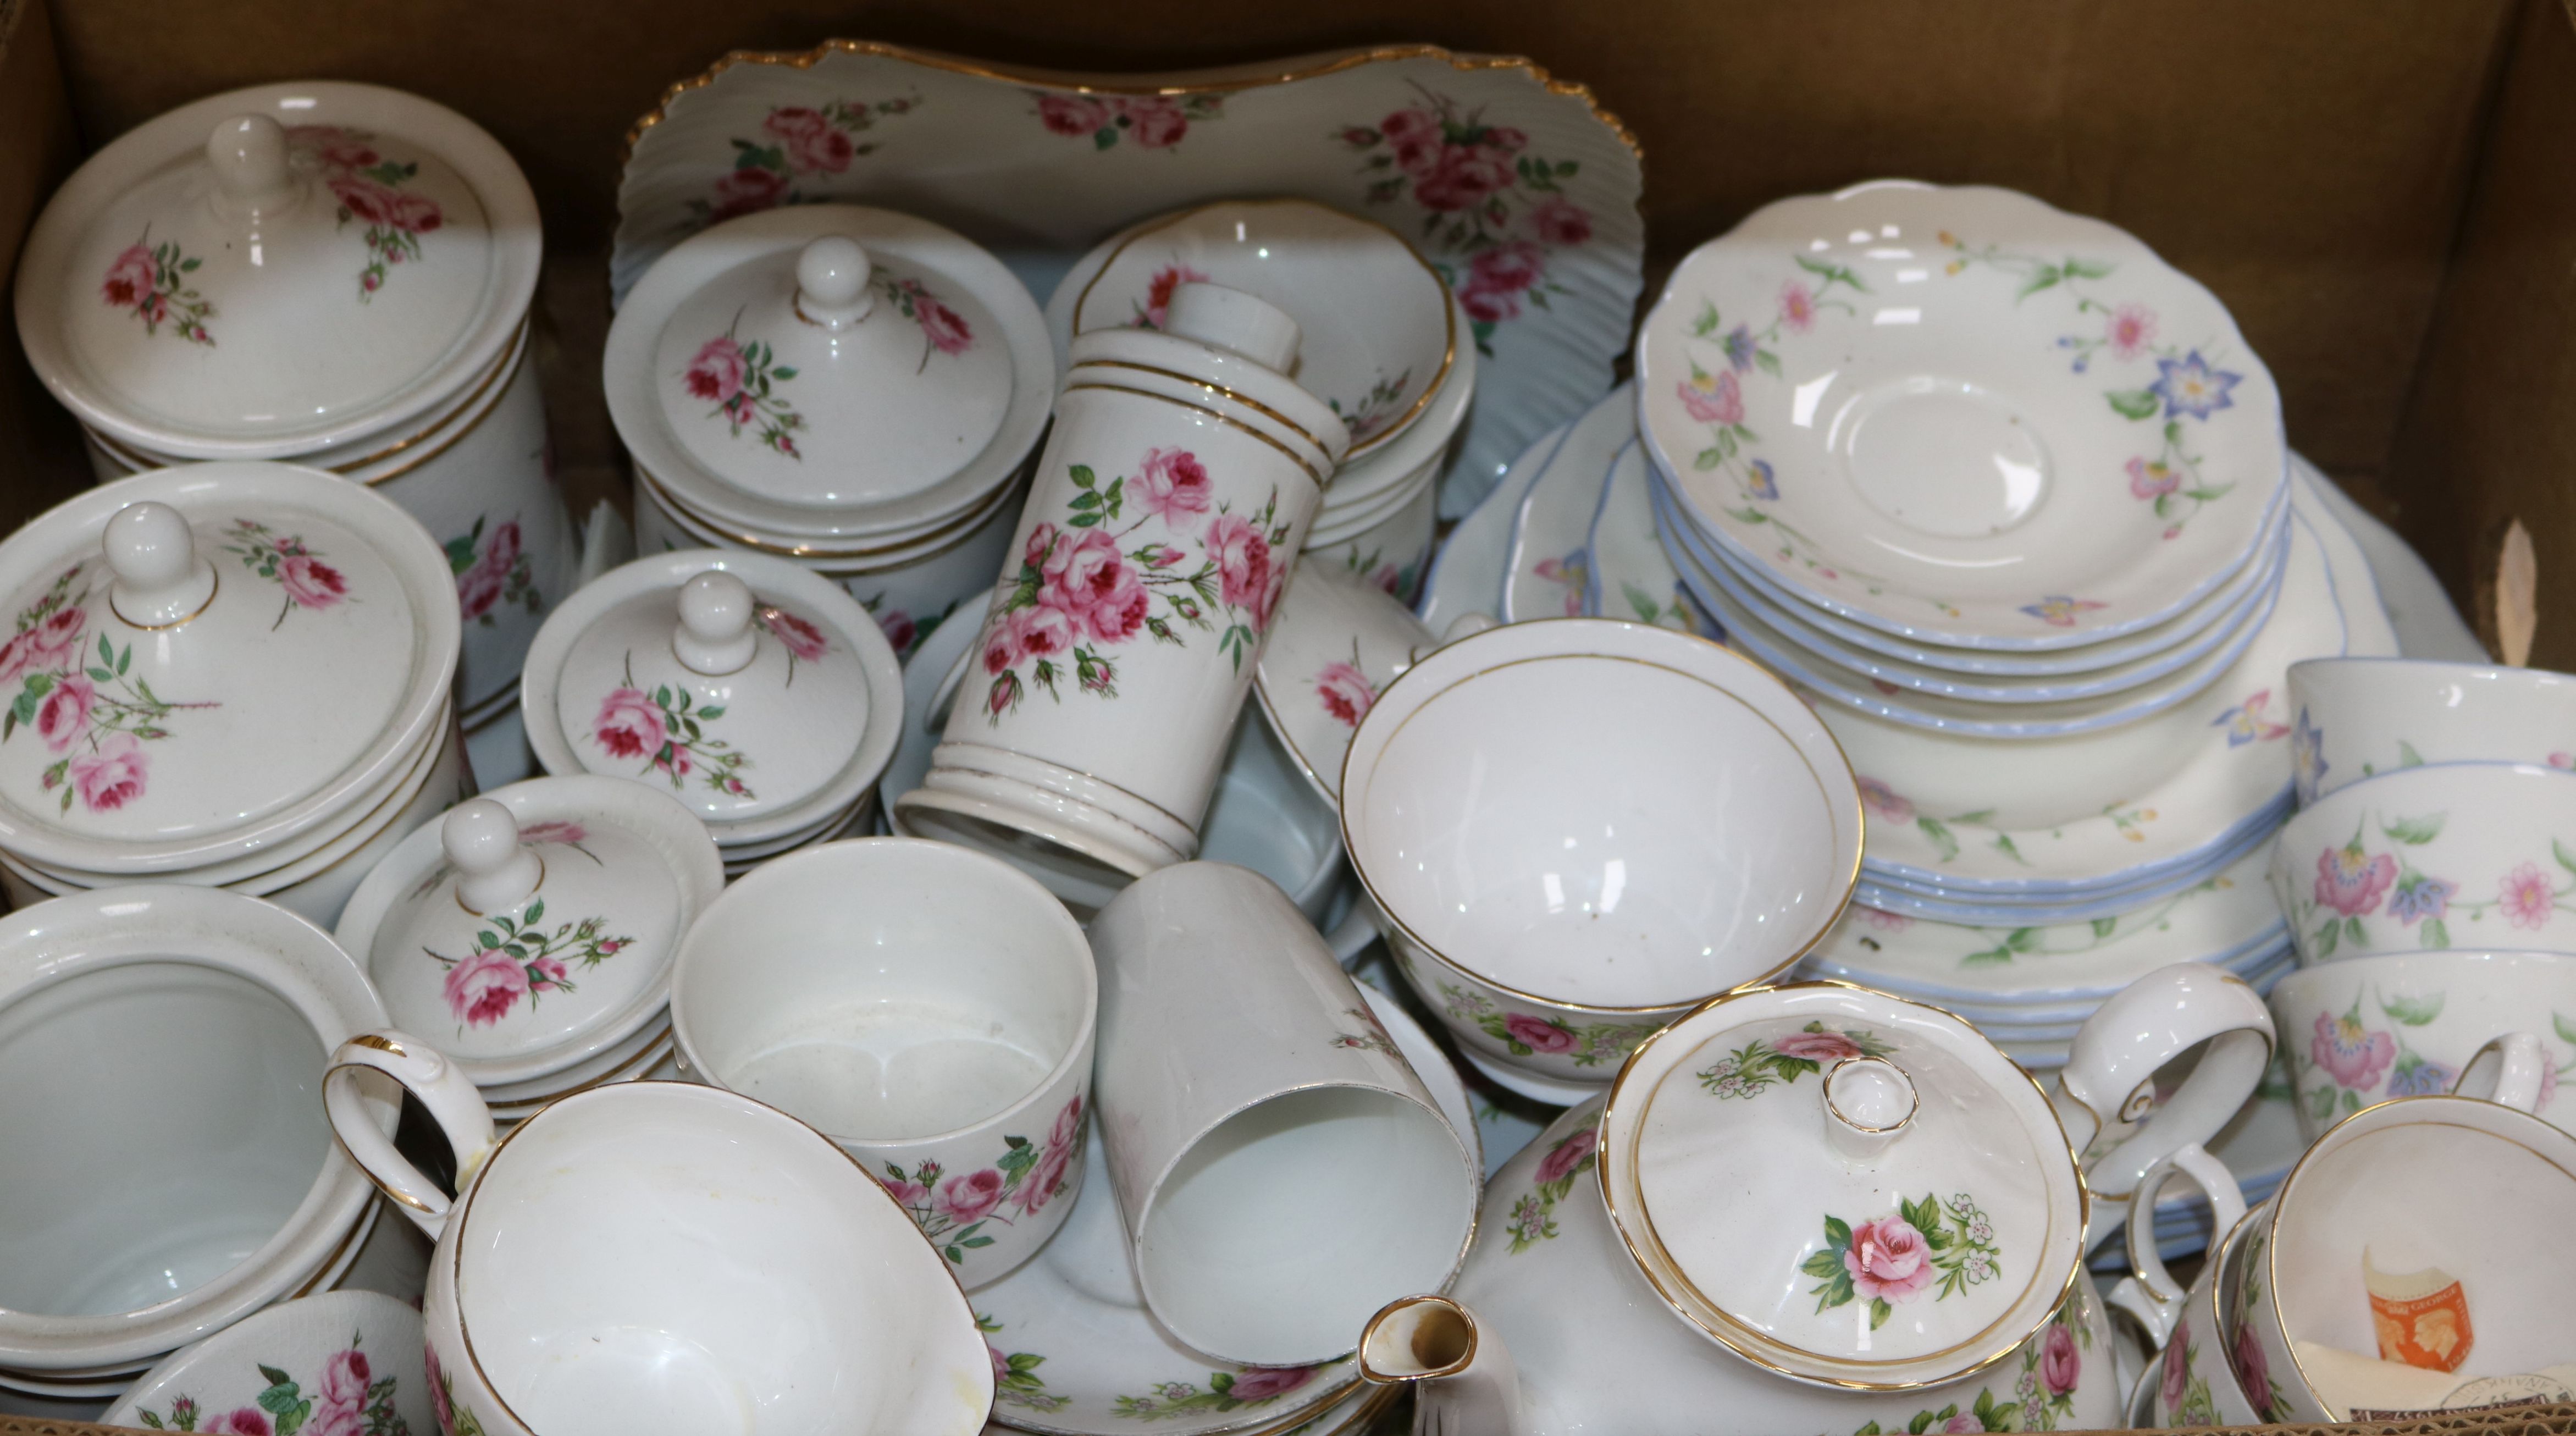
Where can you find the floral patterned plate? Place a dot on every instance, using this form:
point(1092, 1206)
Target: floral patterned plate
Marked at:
point(1467, 573)
point(1074, 1353)
point(345, 1363)
point(1338, 643)
point(1626, 573)
point(1516, 186)
point(1543, 575)
point(1961, 416)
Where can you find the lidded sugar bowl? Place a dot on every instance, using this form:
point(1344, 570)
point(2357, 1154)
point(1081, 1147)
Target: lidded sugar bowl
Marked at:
point(851, 388)
point(329, 273)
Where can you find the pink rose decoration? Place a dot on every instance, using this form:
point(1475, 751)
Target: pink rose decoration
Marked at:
point(364, 198)
point(2351, 882)
point(748, 190)
point(248, 1421)
point(1039, 551)
point(58, 633)
point(1096, 587)
point(1000, 649)
point(1346, 692)
point(478, 588)
point(556, 830)
point(813, 143)
point(1040, 631)
point(2131, 329)
point(1718, 400)
point(1817, 1047)
point(1888, 1259)
point(483, 987)
point(1885, 801)
point(1486, 306)
point(1962, 1425)
point(1001, 1366)
point(967, 1198)
point(414, 212)
point(910, 1194)
point(717, 373)
point(1242, 561)
point(335, 147)
point(2059, 1364)
point(944, 327)
point(796, 635)
point(1173, 485)
point(1158, 293)
point(2177, 1367)
point(1415, 136)
point(1797, 307)
point(1507, 267)
point(2253, 1368)
point(1264, 1383)
point(1536, 1035)
point(1559, 221)
point(1464, 174)
point(439, 1408)
point(1567, 1155)
point(1068, 1124)
point(1155, 121)
point(17, 656)
point(898, 628)
point(111, 777)
point(628, 725)
point(131, 278)
point(501, 550)
point(1039, 1187)
point(339, 1407)
point(551, 973)
point(310, 582)
point(2351, 1056)
point(2525, 897)
point(1074, 115)
point(64, 715)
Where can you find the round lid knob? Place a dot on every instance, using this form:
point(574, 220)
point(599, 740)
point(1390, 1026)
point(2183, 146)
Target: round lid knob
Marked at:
point(1234, 321)
point(160, 577)
point(482, 839)
point(715, 634)
point(832, 283)
point(1869, 1101)
point(248, 154)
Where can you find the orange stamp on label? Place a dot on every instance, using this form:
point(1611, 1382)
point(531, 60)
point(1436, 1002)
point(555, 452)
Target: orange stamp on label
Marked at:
point(2422, 1317)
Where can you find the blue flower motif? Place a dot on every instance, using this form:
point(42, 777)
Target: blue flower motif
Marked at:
point(2418, 898)
point(2415, 1076)
point(1739, 347)
point(2189, 386)
point(1763, 484)
point(2307, 758)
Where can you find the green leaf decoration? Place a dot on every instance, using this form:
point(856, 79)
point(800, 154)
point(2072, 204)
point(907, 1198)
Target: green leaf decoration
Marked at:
point(2407, 757)
point(1838, 1233)
point(2134, 403)
point(2414, 832)
point(1879, 1312)
point(2413, 1011)
point(2352, 930)
point(2437, 933)
point(1940, 835)
point(2328, 937)
point(1823, 1264)
point(2566, 1029)
point(2566, 858)
point(2105, 926)
point(536, 912)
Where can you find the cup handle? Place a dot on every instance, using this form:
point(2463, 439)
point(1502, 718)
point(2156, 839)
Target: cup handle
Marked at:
point(2149, 1293)
point(448, 1094)
point(2509, 1069)
point(2106, 1097)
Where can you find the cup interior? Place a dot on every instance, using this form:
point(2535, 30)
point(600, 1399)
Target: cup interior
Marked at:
point(164, 1122)
point(662, 1256)
point(885, 990)
point(1284, 1226)
point(1602, 829)
point(2462, 1187)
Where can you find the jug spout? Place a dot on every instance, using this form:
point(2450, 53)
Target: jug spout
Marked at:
point(1463, 1379)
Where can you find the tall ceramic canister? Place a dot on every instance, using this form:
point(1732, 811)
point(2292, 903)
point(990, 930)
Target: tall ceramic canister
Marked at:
point(1162, 525)
point(852, 389)
point(333, 274)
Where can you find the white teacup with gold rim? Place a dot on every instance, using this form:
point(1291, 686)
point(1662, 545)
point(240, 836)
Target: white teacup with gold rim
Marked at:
point(1815, 1207)
point(662, 1255)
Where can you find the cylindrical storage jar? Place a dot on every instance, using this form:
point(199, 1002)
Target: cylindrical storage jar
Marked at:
point(1161, 527)
point(759, 694)
point(851, 389)
point(333, 274)
point(228, 674)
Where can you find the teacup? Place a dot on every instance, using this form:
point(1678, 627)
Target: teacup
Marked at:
point(2356, 717)
point(2459, 854)
point(1578, 829)
point(2404, 1024)
point(664, 1256)
point(2190, 1382)
point(928, 1007)
point(350, 1360)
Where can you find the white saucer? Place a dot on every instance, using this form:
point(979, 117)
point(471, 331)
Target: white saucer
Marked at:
point(1544, 570)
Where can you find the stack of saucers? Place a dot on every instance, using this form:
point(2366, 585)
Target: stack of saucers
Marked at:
point(1383, 342)
point(2007, 499)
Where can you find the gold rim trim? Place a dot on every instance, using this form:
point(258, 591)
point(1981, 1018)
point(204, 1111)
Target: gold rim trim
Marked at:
point(1466, 1317)
point(214, 587)
point(1679, 1008)
point(1448, 305)
point(335, 1069)
point(1226, 419)
point(1084, 83)
point(1219, 390)
point(956, 533)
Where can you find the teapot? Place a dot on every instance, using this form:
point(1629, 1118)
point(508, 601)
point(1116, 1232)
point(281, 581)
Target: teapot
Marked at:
point(1817, 1206)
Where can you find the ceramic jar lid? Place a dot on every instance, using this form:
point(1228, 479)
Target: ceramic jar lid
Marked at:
point(277, 270)
point(535, 925)
point(761, 696)
point(1843, 1187)
point(205, 661)
point(829, 371)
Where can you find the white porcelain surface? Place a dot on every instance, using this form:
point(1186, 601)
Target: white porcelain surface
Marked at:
point(352, 1362)
point(928, 1008)
point(1921, 408)
point(568, 955)
point(2405, 1024)
point(1336, 647)
point(1391, 553)
point(193, 1026)
point(1626, 573)
point(1510, 917)
point(1467, 573)
point(1545, 572)
point(2191, 1382)
point(1281, 1169)
point(2361, 717)
point(2467, 854)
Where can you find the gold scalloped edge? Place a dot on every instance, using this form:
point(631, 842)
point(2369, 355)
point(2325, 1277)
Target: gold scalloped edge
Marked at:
point(1252, 77)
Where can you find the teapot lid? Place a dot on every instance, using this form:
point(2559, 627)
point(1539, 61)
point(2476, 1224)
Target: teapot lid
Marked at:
point(278, 270)
point(204, 661)
point(829, 370)
point(760, 695)
point(1335, 644)
point(1843, 1187)
point(536, 924)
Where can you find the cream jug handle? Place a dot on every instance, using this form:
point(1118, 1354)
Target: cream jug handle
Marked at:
point(2149, 1293)
point(2106, 1094)
point(2509, 1069)
point(448, 1094)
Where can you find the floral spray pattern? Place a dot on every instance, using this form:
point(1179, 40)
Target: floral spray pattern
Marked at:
point(2246, 1356)
point(2182, 1389)
point(1492, 213)
point(1157, 307)
point(1534, 1215)
point(1758, 1064)
point(796, 142)
point(952, 1208)
point(369, 187)
point(284, 560)
point(152, 280)
point(738, 379)
point(665, 729)
point(1524, 1034)
point(1344, 690)
point(492, 572)
point(348, 1400)
point(454, 1417)
point(1224, 1391)
point(2042, 1396)
point(518, 957)
point(1015, 1376)
point(1946, 1246)
point(1084, 590)
point(1150, 122)
point(87, 705)
point(2352, 882)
